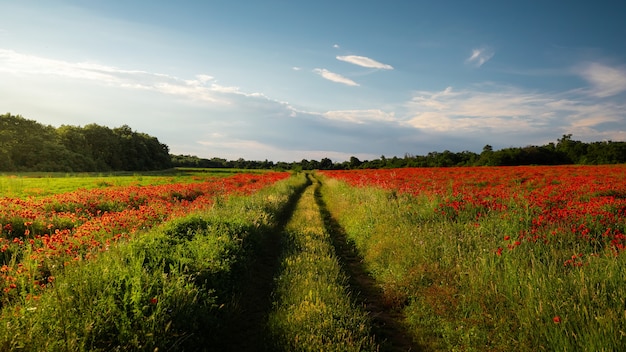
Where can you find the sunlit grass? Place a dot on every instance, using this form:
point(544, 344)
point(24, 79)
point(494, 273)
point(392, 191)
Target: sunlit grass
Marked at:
point(45, 184)
point(170, 288)
point(459, 293)
point(314, 308)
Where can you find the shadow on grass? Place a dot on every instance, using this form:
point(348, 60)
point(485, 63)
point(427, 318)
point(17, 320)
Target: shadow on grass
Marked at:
point(386, 321)
point(246, 329)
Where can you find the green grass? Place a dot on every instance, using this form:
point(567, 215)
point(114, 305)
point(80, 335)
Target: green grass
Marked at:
point(45, 184)
point(458, 295)
point(172, 288)
point(181, 285)
point(314, 310)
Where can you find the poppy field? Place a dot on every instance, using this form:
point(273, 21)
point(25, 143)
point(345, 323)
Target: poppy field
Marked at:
point(494, 258)
point(550, 203)
point(41, 235)
point(432, 259)
point(145, 267)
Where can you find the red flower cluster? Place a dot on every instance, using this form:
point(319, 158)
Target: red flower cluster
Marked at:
point(548, 203)
point(74, 226)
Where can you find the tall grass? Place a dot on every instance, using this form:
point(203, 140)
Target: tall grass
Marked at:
point(457, 293)
point(169, 289)
point(314, 310)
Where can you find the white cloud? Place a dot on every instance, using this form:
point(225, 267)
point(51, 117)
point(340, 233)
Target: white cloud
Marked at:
point(479, 56)
point(360, 116)
point(364, 62)
point(230, 148)
point(18, 64)
point(200, 80)
point(296, 68)
point(201, 116)
point(336, 46)
point(502, 109)
point(335, 77)
point(606, 81)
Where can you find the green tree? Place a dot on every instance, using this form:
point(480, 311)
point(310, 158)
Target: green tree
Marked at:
point(355, 163)
point(573, 150)
point(326, 164)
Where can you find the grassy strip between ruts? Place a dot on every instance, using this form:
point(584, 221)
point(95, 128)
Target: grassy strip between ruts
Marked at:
point(169, 289)
point(314, 310)
point(458, 294)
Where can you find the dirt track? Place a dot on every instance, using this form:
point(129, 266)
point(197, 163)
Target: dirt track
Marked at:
point(249, 329)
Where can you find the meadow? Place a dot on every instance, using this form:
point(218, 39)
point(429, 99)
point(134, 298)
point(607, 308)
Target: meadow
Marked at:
point(494, 258)
point(430, 259)
point(38, 184)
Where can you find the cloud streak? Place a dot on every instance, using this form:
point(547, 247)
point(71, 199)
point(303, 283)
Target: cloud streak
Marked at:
point(360, 116)
point(480, 56)
point(503, 109)
point(202, 87)
point(230, 122)
point(364, 62)
point(335, 77)
point(606, 81)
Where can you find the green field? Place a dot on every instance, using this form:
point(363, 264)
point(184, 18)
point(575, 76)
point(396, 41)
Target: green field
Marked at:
point(37, 184)
point(311, 263)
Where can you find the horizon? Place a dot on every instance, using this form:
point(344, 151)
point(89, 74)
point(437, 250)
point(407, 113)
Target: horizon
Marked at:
point(348, 159)
point(286, 81)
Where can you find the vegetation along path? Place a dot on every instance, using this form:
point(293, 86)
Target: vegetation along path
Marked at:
point(386, 316)
point(323, 299)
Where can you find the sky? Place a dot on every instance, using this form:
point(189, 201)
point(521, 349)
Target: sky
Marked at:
point(286, 80)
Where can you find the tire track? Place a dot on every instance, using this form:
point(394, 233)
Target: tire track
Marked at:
point(387, 320)
point(248, 329)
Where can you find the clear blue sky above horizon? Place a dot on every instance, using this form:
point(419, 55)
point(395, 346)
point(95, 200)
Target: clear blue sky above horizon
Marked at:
point(290, 80)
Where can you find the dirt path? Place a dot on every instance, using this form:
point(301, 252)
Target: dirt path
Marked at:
point(387, 320)
point(248, 329)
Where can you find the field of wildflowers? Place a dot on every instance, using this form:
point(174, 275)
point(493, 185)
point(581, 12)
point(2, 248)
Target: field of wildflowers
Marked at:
point(471, 259)
point(494, 258)
point(41, 235)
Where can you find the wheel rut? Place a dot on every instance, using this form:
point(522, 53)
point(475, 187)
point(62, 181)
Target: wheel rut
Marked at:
point(386, 319)
point(248, 329)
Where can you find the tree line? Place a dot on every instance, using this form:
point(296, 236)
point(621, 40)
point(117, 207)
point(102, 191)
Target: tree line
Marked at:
point(26, 145)
point(565, 151)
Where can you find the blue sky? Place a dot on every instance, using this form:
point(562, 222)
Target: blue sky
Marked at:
point(290, 80)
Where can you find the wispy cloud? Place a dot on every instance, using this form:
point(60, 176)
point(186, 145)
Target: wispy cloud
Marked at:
point(230, 147)
point(336, 46)
point(479, 56)
point(504, 109)
point(364, 62)
point(335, 77)
point(230, 122)
point(606, 81)
point(202, 87)
point(360, 116)
point(200, 80)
